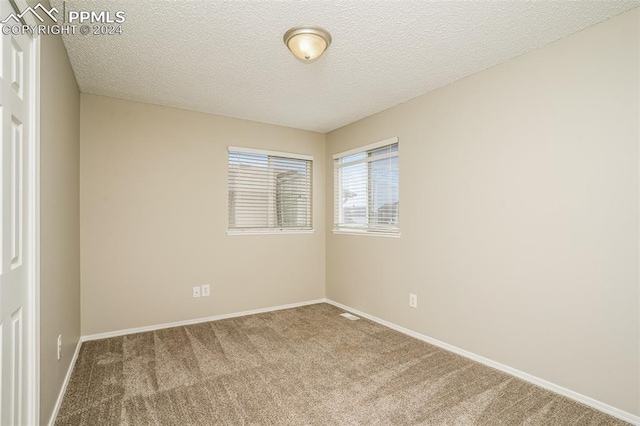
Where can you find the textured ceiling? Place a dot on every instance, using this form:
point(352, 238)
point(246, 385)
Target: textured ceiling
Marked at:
point(228, 58)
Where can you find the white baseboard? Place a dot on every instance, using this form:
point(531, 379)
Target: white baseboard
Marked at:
point(72, 364)
point(601, 406)
point(197, 320)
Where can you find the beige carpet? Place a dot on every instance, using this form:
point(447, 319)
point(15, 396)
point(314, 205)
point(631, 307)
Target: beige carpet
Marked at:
point(302, 366)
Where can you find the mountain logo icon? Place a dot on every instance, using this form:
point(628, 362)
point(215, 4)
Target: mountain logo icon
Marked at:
point(34, 11)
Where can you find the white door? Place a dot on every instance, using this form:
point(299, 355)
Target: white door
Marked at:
point(15, 273)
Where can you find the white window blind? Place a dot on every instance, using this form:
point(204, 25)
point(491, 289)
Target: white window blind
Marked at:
point(366, 193)
point(269, 191)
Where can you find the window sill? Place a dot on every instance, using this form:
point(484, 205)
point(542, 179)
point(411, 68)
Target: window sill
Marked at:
point(271, 232)
point(367, 233)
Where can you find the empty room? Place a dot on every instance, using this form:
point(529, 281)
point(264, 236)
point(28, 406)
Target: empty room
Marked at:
point(323, 212)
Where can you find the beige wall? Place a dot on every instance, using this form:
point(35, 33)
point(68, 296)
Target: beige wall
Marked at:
point(154, 218)
point(59, 219)
point(519, 215)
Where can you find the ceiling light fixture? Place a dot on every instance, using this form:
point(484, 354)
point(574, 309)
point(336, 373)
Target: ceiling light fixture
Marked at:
point(307, 43)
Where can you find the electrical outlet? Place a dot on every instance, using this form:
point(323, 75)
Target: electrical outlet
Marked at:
point(59, 346)
point(196, 291)
point(413, 300)
point(206, 290)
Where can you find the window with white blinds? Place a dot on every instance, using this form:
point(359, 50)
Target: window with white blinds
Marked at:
point(366, 193)
point(269, 191)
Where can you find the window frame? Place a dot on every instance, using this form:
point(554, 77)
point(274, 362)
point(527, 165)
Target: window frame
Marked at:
point(272, 230)
point(365, 230)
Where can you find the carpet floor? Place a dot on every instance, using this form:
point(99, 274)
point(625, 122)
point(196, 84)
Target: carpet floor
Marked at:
point(301, 366)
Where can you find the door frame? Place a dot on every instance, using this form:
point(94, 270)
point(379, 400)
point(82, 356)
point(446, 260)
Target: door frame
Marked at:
point(33, 357)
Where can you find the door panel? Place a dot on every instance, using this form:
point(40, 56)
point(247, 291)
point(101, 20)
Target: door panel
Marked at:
point(16, 193)
point(17, 370)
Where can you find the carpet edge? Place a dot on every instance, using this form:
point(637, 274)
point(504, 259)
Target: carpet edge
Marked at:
point(134, 330)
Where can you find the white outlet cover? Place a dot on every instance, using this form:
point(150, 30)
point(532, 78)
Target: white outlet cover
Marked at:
point(206, 290)
point(413, 300)
point(196, 291)
point(59, 346)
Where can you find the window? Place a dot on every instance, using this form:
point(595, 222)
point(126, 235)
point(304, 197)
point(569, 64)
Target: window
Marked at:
point(269, 191)
point(366, 193)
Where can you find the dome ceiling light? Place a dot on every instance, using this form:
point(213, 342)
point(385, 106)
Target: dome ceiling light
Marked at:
point(307, 43)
